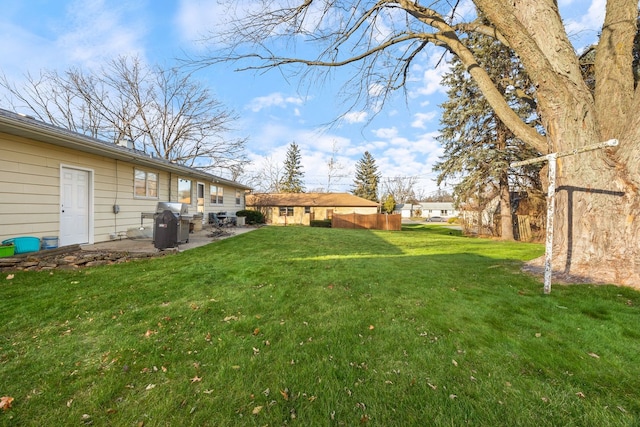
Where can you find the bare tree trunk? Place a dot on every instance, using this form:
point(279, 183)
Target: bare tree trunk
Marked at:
point(506, 219)
point(596, 226)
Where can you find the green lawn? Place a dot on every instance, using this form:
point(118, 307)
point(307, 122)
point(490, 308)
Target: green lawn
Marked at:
point(319, 327)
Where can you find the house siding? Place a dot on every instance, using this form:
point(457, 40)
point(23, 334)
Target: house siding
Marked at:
point(318, 212)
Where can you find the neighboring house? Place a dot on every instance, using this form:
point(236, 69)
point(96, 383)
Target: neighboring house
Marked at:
point(443, 209)
point(302, 208)
point(408, 210)
point(54, 182)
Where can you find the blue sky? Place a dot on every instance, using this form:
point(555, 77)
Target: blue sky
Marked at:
point(274, 111)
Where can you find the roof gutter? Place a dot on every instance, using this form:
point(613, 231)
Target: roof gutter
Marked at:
point(28, 127)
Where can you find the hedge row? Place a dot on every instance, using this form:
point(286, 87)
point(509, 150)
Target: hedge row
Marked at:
point(252, 217)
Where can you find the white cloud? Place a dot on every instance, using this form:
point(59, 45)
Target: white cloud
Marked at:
point(376, 89)
point(94, 31)
point(430, 82)
point(465, 11)
point(420, 119)
point(196, 19)
point(273, 100)
point(410, 155)
point(386, 133)
point(355, 117)
point(583, 25)
point(85, 34)
point(205, 20)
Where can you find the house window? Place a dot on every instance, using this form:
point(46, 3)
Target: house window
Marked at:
point(145, 184)
point(238, 197)
point(443, 212)
point(216, 194)
point(184, 191)
point(307, 209)
point(286, 211)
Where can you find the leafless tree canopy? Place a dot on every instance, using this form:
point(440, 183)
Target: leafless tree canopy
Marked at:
point(401, 188)
point(265, 177)
point(164, 112)
point(335, 169)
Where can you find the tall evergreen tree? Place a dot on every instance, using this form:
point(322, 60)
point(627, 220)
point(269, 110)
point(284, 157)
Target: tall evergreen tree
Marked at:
point(367, 178)
point(478, 147)
point(292, 177)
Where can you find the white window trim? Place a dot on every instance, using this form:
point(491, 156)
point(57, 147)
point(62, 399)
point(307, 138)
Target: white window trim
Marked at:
point(146, 196)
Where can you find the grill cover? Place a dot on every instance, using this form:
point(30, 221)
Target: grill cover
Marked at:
point(165, 230)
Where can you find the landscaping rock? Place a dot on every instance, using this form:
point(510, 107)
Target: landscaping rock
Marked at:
point(72, 258)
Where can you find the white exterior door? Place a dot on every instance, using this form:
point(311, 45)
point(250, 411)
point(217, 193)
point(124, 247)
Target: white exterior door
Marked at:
point(74, 206)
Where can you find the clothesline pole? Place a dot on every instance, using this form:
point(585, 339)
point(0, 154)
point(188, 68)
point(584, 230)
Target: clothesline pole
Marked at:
point(551, 198)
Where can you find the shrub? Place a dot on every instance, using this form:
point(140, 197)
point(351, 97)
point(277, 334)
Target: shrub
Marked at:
point(321, 223)
point(252, 217)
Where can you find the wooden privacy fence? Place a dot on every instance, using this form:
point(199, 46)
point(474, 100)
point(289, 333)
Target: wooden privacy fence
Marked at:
point(524, 228)
point(367, 221)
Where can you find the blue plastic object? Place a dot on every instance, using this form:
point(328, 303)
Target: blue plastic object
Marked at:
point(24, 244)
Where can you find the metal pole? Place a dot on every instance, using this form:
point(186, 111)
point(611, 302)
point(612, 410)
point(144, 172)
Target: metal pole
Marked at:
point(551, 208)
point(551, 202)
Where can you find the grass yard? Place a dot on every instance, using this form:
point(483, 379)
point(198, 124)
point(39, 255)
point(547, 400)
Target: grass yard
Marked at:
point(319, 327)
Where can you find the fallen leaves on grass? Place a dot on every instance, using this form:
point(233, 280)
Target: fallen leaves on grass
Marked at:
point(196, 379)
point(10, 276)
point(595, 356)
point(5, 402)
point(256, 410)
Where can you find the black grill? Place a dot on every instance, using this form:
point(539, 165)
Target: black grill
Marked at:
point(171, 224)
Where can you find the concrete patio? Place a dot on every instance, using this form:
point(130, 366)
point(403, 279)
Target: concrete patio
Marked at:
point(198, 238)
